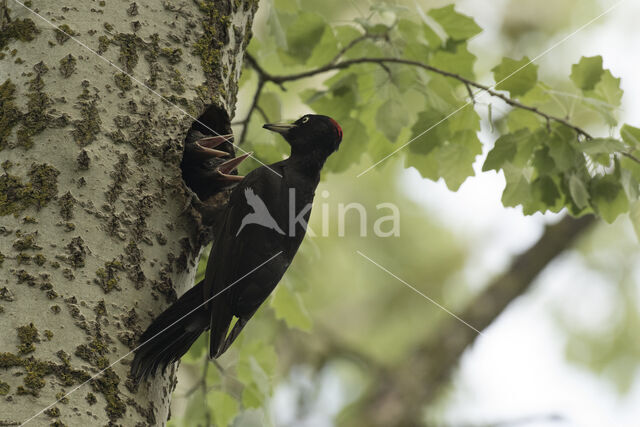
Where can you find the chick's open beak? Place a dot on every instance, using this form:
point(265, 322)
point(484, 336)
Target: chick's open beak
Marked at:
point(206, 145)
point(226, 168)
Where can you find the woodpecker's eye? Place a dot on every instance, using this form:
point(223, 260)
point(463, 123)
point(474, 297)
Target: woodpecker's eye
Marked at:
point(305, 119)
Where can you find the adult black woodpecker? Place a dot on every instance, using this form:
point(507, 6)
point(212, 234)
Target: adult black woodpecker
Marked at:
point(248, 258)
point(209, 163)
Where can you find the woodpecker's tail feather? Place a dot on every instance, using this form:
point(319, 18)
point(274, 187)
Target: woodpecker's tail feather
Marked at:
point(171, 334)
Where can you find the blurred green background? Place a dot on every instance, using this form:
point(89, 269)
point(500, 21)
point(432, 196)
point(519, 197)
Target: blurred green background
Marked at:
point(339, 329)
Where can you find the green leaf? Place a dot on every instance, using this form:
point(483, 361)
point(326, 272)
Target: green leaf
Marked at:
point(416, 39)
point(608, 197)
point(544, 196)
point(426, 165)
point(459, 62)
point(338, 103)
point(404, 79)
point(527, 146)
point(304, 34)
point(391, 118)
point(630, 135)
point(428, 131)
point(522, 119)
point(377, 29)
point(289, 307)
point(629, 183)
point(543, 162)
point(539, 96)
point(224, 408)
point(504, 150)
point(587, 73)
point(517, 189)
point(415, 52)
point(631, 166)
point(601, 146)
point(608, 89)
point(431, 36)
point(455, 159)
point(516, 77)
point(326, 49)
point(456, 25)
point(441, 95)
point(634, 216)
point(465, 119)
point(452, 160)
point(562, 150)
point(338, 107)
point(579, 192)
point(408, 30)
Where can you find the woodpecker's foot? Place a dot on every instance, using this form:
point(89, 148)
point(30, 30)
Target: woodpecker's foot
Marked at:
point(206, 146)
point(224, 170)
point(191, 197)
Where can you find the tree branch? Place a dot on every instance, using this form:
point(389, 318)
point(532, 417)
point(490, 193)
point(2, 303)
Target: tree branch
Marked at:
point(401, 398)
point(470, 83)
point(334, 65)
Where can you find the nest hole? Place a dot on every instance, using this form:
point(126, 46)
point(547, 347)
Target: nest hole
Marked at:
point(199, 171)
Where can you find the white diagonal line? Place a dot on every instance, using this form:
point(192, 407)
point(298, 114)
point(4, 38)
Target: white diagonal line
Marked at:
point(431, 300)
point(150, 339)
point(494, 86)
point(183, 111)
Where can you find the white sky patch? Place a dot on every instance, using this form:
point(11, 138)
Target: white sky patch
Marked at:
point(519, 368)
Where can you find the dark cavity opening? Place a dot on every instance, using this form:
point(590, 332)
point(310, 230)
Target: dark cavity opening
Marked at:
point(199, 170)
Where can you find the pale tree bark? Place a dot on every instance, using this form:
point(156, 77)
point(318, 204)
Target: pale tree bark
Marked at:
point(95, 239)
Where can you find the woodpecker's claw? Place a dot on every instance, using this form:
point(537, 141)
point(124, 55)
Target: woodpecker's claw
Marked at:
point(207, 145)
point(225, 169)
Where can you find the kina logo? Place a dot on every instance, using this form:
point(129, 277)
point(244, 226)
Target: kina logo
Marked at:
point(260, 214)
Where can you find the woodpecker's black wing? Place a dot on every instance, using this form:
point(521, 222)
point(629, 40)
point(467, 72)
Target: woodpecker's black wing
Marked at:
point(245, 267)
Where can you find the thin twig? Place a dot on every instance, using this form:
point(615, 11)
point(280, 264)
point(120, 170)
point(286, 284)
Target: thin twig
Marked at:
point(472, 97)
point(352, 43)
point(260, 110)
point(631, 156)
point(331, 66)
point(350, 62)
point(254, 105)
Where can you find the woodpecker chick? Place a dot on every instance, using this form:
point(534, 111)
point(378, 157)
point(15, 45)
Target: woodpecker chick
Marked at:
point(209, 163)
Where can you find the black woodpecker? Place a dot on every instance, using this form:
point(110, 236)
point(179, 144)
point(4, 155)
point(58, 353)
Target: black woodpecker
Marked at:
point(261, 231)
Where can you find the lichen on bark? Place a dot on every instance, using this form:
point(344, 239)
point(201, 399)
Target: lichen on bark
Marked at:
point(16, 196)
point(90, 151)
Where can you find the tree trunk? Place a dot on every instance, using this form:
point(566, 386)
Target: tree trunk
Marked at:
point(98, 233)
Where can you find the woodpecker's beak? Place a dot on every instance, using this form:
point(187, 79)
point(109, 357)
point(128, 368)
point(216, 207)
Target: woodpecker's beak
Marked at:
point(281, 128)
